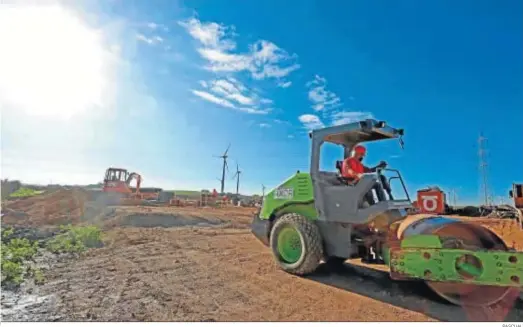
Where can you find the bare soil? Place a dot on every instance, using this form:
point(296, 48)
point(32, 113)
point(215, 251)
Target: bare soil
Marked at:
point(203, 264)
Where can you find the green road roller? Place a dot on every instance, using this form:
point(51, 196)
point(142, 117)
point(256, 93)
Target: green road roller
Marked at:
point(320, 216)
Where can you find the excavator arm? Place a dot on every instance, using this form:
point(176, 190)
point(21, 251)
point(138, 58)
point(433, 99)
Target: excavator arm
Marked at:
point(138, 179)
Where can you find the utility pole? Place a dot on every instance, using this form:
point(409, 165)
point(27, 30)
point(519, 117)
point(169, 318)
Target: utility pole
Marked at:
point(453, 195)
point(263, 191)
point(483, 167)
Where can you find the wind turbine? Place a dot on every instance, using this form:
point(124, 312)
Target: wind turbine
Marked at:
point(224, 156)
point(237, 175)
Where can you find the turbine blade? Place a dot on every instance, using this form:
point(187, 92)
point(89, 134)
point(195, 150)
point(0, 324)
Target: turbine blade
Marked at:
point(227, 149)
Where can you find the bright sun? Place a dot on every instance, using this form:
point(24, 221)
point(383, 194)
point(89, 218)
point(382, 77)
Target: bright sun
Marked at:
point(51, 64)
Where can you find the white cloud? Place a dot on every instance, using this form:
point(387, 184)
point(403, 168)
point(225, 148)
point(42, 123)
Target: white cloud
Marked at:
point(149, 40)
point(212, 98)
point(270, 61)
point(154, 26)
point(311, 121)
point(266, 101)
point(346, 117)
point(263, 60)
point(321, 98)
point(231, 93)
point(264, 125)
point(220, 61)
point(326, 102)
point(235, 90)
point(211, 35)
point(284, 84)
point(255, 111)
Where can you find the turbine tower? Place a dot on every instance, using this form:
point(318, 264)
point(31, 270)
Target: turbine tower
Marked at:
point(224, 156)
point(237, 175)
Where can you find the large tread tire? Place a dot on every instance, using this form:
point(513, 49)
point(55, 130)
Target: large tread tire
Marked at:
point(311, 242)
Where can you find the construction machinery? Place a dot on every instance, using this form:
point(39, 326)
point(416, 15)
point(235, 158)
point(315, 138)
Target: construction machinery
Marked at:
point(431, 200)
point(118, 180)
point(318, 216)
point(517, 195)
point(117, 183)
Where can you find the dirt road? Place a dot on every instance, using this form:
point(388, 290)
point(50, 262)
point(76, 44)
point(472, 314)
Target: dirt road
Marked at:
point(224, 274)
point(200, 274)
point(204, 265)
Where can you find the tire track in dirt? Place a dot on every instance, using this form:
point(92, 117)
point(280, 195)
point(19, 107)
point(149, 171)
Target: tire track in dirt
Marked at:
point(222, 273)
point(180, 275)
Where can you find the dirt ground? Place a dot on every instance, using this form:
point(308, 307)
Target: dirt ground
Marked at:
point(188, 264)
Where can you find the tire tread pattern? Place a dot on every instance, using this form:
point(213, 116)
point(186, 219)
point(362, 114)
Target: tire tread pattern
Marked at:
point(313, 243)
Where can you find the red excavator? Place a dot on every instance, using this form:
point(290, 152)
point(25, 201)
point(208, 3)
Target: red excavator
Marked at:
point(118, 180)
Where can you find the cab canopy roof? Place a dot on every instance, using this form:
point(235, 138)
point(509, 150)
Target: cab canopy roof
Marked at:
point(116, 169)
point(357, 132)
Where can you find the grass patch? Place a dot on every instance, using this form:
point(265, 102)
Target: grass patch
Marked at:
point(25, 192)
point(15, 253)
point(75, 239)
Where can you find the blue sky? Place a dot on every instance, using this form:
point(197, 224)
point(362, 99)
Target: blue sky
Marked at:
point(160, 86)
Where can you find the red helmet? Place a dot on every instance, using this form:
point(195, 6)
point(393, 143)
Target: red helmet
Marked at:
point(359, 149)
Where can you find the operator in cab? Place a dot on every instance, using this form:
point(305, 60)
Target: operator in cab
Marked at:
point(353, 168)
point(352, 171)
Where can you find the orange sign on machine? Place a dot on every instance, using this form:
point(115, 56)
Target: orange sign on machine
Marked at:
point(431, 201)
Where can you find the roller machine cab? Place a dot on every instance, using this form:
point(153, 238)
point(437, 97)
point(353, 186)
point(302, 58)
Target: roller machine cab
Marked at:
point(316, 216)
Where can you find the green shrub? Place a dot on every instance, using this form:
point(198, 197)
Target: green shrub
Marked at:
point(37, 275)
point(14, 253)
point(75, 239)
point(12, 272)
point(17, 251)
point(24, 192)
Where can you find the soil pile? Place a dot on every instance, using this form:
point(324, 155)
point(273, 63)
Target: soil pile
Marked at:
point(58, 207)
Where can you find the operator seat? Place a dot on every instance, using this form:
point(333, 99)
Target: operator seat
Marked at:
point(344, 180)
point(379, 189)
